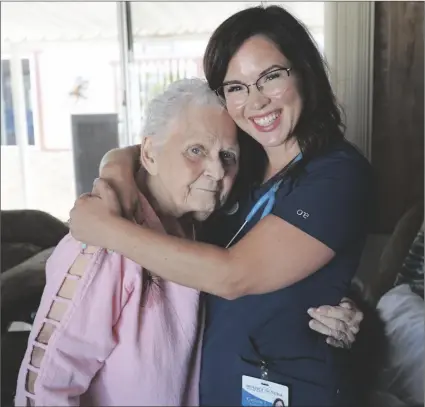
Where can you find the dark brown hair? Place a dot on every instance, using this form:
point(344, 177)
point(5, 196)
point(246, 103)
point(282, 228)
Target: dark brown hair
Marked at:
point(320, 123)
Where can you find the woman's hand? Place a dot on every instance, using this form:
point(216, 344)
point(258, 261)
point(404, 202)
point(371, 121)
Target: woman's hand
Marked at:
point(90, 218)
point(340, 323)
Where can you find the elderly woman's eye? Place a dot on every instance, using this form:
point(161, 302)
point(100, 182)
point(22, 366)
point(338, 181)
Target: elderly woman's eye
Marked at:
point(196, 151)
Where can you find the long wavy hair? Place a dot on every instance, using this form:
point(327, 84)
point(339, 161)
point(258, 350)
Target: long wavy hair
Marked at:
point(320, 124)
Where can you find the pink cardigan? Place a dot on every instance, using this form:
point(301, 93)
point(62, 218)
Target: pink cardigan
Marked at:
point(116, 344)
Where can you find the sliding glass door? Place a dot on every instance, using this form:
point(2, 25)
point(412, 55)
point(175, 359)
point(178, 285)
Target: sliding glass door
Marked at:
point(76, 78)
point(61, 100)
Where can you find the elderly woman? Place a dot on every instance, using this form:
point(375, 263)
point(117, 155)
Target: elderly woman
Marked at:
point(107, 333)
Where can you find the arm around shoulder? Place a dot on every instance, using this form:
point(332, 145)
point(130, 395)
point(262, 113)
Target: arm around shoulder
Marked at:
point(124, 159)
point(280, 250)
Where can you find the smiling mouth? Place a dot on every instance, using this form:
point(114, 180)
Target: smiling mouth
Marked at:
point(267, 120)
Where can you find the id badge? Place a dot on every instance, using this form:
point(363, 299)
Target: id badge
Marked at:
point(260, 392)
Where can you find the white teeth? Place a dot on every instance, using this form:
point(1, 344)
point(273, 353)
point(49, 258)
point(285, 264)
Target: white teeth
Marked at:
point(267, 120)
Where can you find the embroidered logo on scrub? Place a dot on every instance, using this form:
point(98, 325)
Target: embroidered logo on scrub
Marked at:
point(303, 214)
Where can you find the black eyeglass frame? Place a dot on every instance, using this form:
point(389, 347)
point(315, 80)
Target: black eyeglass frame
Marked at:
point(222, 97)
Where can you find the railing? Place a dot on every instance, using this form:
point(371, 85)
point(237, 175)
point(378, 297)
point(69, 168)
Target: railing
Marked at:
point(156, 74)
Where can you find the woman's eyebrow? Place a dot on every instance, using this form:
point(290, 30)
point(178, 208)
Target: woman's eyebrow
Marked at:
point(271, 68)
point(233, 82)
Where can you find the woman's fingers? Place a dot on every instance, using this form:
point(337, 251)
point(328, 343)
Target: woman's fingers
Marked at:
point(357, 317)
point(337, 327)
point(102, 189)
point(354, 318)
point(334, 337)
point(346, 313)
point(78, 201)
point(126, 196)
point(333, 342)
point(85, 196)
point(338, 312)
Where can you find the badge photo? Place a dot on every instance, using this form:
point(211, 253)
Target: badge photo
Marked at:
point(259, 392)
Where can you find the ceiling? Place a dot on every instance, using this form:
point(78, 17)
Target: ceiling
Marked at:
point(53, 21)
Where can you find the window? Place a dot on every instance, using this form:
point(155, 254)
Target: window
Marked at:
point(8, 136)
point(170, 39)
point(57, 71)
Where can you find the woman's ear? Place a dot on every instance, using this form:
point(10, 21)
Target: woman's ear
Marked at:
point(149, 155)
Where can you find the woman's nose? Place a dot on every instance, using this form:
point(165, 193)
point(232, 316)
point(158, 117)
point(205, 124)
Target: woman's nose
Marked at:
point(256, 99)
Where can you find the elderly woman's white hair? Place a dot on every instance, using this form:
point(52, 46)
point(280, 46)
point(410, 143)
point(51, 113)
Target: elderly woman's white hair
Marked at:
point(169, 104)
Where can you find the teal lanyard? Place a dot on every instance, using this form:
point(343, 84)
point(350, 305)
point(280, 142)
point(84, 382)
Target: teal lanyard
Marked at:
point(268, 198)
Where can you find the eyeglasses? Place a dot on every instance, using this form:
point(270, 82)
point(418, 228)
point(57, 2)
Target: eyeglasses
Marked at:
point(269, 84)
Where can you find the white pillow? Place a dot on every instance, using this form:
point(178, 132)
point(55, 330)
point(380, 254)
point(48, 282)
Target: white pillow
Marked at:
point(382, 399)
point(403, 314)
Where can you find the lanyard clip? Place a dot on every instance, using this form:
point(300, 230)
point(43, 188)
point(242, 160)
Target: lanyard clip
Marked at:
point(264, 370)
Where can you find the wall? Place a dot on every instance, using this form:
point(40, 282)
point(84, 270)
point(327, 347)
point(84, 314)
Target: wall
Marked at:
point(60, 65)
point(398, 109)
point(50, 181)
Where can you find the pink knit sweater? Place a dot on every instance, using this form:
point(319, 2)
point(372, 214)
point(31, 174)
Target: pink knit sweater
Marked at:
point(122, 340)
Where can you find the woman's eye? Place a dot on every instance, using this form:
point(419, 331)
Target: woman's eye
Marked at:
point(233, 88)
point(273, 75)
point(228, 156)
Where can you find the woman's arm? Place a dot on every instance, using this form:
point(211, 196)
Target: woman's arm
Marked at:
point(339, 323)
point(277, 252)
point(123, 160)
point(119, 167)
point(273, 255)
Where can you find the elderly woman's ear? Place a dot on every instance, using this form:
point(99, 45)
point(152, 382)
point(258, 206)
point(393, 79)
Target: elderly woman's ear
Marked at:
point(148, 156)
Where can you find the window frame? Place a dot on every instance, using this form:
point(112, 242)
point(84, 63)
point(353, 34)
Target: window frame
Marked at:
point(349, 49)
point(33, 93)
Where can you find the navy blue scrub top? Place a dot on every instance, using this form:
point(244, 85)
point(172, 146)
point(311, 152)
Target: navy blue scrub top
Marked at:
point(330, 201)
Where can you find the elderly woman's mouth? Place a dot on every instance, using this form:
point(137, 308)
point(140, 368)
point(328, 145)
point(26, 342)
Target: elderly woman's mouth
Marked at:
point(213, 191)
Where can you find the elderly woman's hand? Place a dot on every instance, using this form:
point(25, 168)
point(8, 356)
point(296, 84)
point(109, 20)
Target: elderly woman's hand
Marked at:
point(90, 217)
point(340, 323)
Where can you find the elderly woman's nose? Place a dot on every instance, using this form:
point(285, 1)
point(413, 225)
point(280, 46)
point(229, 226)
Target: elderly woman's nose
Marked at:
point(215, 169)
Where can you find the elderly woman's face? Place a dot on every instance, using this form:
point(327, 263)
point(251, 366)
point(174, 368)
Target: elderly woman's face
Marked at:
point(271, 115)
point(197, 164)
